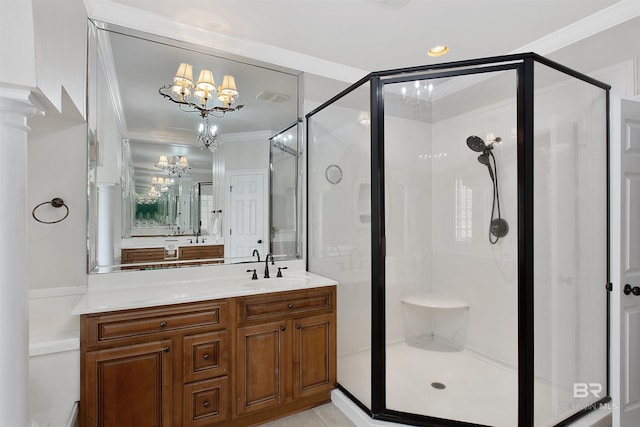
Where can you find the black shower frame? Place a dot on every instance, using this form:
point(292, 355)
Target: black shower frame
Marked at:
point(523, 64)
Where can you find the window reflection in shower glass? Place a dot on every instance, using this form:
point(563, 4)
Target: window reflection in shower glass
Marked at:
point(464, 212)
point(450, 295)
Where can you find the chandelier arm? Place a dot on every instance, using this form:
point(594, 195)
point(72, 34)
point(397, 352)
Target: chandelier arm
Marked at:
point(189, 111)
point(196, 107)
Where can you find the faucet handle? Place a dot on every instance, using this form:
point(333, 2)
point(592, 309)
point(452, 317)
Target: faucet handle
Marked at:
point(255, 275)
point(280, 272)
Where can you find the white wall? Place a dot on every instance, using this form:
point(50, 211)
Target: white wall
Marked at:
point(57, 144)
point(57, 168)
point(481, 274)
point(409, 224)
point(17, 45)
point(60, 45)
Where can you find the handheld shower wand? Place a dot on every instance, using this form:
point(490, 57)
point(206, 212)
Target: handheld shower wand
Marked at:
point(498, 227)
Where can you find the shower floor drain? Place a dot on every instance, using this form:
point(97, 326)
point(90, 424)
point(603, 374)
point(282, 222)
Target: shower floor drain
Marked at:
point(438, 386)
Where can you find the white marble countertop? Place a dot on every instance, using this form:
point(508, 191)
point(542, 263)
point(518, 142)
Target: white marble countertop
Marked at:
point(105, 298)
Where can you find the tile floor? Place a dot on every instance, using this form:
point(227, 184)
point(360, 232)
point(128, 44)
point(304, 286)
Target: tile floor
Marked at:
point(327, 415)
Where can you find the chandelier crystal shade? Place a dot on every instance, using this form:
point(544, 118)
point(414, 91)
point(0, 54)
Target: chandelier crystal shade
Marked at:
point(201, 96)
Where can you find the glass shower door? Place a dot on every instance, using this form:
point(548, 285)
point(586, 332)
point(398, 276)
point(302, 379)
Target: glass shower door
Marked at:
point(339, 217)
point(451, 285)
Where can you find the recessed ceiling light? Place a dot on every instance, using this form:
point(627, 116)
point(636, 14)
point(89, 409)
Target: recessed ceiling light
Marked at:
point(438, 50)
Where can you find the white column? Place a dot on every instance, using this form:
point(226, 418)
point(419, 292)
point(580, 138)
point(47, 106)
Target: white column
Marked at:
point(15, 108)
point(105, 224)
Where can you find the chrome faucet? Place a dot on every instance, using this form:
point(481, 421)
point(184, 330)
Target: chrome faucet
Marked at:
point(256, 253)
point(266, 265)
point(197, 236)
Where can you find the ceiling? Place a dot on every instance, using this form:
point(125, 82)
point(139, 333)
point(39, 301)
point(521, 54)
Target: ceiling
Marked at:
point(374, 35)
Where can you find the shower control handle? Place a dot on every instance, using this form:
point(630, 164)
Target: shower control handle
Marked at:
point(628, 290)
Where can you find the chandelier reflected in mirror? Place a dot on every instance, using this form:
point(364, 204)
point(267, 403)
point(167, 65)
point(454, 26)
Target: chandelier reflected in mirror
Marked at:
point(173, 165)
point(163, 183)
point(201, 96)
point(208, 136)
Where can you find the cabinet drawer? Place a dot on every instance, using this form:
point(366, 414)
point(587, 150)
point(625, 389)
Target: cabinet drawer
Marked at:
point(205, 402)
point(285, 303)
point(205, 356)
point(201, 252)
point(121, 325)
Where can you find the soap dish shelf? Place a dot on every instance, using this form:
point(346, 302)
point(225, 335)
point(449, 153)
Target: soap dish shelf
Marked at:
point(433, 300)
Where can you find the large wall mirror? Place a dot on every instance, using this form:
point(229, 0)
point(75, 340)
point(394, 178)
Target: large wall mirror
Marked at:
point(193, 155)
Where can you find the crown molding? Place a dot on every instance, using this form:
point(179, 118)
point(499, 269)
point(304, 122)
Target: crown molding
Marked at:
point(602, 20)
point(105, 56)
point(140, 20)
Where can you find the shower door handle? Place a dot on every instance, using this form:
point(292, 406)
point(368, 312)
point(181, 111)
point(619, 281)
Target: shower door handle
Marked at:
point(628, 290)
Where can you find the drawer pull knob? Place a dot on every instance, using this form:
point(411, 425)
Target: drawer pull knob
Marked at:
point(206, 357)
point(290, 306)
point(205, 404)
point(166, 349)
point(282, 328)
point(163, 324)
point(298, 326)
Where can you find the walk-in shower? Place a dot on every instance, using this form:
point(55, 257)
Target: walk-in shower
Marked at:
point(438, 324)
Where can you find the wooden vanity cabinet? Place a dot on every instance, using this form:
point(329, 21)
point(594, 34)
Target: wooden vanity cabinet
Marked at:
point(285, 351)
point(197, 253)
point(235, 362)
point(162, 366)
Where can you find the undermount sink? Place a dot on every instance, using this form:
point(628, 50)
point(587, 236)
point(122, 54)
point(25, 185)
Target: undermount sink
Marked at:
point(276, 282)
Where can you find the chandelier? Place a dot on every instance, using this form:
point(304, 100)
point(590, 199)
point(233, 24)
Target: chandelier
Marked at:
point(419, 98)
point(208, 136)
point(163, 183)
point(174, 165)
point(197, 97)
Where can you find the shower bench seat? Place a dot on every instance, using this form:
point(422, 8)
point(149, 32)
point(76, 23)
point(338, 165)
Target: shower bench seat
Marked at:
point(435, 300)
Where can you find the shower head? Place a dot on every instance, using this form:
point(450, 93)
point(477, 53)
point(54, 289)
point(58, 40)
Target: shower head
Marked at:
point(476, 144)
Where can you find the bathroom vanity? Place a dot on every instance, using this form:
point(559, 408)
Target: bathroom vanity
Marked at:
point(156, 255)
point(229, 352)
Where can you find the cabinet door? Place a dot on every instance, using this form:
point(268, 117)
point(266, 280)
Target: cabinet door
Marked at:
point(129, 386)
point(261, 362)
point(314, 355)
